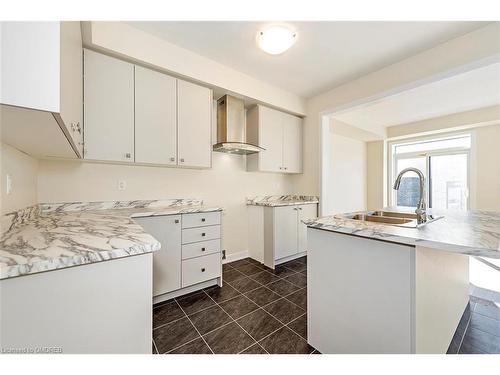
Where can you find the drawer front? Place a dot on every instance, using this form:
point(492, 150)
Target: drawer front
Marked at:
point(197, 270)
point(197, 249)
point(200, 234)
point(200, 219)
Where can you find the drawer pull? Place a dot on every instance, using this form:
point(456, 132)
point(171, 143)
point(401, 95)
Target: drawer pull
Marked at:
point(202, 249)
point(203, 219)
point(203, 234)
point(176, 221)
point(203, 270)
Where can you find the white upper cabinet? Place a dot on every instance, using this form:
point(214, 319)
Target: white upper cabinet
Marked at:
point(271, 139)
point(109, 108)
point(194, 115)
point(280, 134)
point(155, 117)
point(41, 69)
point(292, 143)
point(134, 114)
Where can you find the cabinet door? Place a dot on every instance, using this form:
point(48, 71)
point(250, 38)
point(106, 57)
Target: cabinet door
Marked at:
point(108, 108)
point(194, 113)
point(292, 143)
point(30, 55)
point(155, 117)
point(306, 211)
point(72, 82)
point(166, 261)
point(285, 231)
point(270, 138)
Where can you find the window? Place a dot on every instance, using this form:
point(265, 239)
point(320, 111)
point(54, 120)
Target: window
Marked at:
point(445, 164)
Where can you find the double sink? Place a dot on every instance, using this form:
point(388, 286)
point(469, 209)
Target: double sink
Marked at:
point(401, 219)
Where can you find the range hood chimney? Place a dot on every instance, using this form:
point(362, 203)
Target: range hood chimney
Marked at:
point(231, 128)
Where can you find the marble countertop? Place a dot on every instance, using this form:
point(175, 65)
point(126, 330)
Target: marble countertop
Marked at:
point(475, 233)
point(281, 200)
point(55, 236)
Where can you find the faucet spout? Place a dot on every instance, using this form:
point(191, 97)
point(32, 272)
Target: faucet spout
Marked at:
point(421, 206)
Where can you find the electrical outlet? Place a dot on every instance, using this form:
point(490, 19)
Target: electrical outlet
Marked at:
point(122, 184)
point(8, 184)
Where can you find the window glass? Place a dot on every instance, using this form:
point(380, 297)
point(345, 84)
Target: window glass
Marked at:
point(448, 183)
point(409, 189)
point(431, 145)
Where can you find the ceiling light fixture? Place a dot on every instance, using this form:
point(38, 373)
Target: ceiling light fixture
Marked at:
point(276, 39)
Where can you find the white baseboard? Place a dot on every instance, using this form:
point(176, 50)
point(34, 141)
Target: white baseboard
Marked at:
point(236, 256)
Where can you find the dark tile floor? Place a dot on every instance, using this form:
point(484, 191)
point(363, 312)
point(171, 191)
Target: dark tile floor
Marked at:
point(479, 328)
point(260, 311)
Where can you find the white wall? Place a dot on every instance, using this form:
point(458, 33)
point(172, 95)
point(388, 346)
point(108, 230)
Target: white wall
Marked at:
point(23, 172)
point(347, 185)
point(227, 184)
point(485, 168)
point(439, 61)
point(375, 175)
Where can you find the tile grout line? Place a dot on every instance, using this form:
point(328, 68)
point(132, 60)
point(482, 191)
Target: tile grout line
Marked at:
point(465, 332)
point(288, 325)
point(178, 304)
point(180, 346)
point(156, 348)
point(175, 299)
point(255, 341)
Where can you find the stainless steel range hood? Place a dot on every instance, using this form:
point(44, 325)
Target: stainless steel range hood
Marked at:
point(231, 128)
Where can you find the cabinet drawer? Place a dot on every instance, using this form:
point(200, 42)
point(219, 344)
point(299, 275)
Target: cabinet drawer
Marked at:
point(200, 219)
point(197, 249)
point(200, 234)
point(200, 269)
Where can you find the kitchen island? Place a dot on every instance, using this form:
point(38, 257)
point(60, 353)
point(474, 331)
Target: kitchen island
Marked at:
point(379, 288)
point(78, 277)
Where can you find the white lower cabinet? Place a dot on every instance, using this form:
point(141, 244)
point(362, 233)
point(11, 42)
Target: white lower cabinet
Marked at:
point(166, 270)
point(190, 253)
point(197, 270)
point(284, 234)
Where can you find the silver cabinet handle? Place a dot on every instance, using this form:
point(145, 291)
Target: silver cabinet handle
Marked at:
point(203, 270)
point(78, 127)
point(182, 160)
point(203, 234)
point(128, 155)
point(203, 219)
point(176, 221)
point(202, 249)
point(172, 159)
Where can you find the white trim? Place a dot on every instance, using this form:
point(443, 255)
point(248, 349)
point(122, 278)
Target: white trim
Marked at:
point(236, 256)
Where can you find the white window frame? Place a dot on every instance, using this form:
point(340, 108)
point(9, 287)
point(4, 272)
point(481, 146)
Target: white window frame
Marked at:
point(393, 157)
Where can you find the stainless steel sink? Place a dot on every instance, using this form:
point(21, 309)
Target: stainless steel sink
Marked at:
point(401, 219)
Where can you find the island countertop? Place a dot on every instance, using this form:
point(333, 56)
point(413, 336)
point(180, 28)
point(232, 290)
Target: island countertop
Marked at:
point(55, 236)
point(282, 200)
point(475, 233)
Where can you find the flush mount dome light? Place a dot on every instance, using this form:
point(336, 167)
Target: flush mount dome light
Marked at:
point(276, 39)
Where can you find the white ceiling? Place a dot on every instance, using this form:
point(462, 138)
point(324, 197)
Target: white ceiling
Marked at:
point(474, 89)
point(325, 55)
